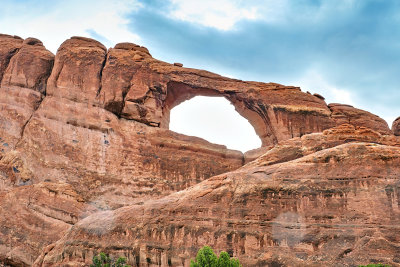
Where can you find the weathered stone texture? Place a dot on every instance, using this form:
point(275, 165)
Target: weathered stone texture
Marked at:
point(9, 46)
point(30, 67)
point(77, 70)
point(348, 114)
point(396, 127)
point(88, 164)
point(338, 206)
point(35, 216)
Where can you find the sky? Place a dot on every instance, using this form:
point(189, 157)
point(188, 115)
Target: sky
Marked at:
point(346, 50)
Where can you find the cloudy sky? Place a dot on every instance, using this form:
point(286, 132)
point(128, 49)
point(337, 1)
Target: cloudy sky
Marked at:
point(346, 50)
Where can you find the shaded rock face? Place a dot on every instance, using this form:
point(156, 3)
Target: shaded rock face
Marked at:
point(30, 67)
point(396, 127)
point(87, 164)
point(9, 45)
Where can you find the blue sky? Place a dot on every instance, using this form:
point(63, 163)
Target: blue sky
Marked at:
point(346, 50)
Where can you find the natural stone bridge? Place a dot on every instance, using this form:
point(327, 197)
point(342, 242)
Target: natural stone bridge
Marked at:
point(127, 81)
point(87, 164)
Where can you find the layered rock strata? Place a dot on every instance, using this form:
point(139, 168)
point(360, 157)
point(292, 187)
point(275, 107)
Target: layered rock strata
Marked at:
point(35, 216)
point(338, 206)
point(87, 164)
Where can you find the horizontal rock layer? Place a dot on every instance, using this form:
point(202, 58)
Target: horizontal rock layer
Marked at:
point(84, 134)
point(338, 206)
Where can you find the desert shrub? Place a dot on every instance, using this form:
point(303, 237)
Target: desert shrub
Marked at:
point(207, 258)
point(103, 260)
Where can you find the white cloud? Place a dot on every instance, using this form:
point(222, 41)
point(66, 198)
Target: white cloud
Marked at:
point(224, 14)
point(60, 20)
point(314, 82)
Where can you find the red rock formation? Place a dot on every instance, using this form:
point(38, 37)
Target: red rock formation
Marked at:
point(94, 129)
point(348, 114)
point(396, 127)
point(24, 69)
point(122, 64)
point(338, 206)
point(30, 67)
point(77, 70)
point(9, 45)
point(34, 216)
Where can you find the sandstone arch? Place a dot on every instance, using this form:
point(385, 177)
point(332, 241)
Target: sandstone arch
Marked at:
point(127, 81)
point(96, 129)
point(179, 92)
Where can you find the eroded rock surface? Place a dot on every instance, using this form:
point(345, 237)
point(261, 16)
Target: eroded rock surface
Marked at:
point(35, 216)
point(87, 164)
point(396, 127)
point(30, 67)
point(338, 206)
point(77, 70)
point(9, 46)
point(348, 114)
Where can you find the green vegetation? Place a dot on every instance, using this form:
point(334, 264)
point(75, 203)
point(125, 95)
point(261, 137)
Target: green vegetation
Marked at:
point(103, 260)
point(207, 258)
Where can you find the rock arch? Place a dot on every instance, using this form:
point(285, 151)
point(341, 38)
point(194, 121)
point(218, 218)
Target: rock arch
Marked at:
point(180, 92)
point(127, 81)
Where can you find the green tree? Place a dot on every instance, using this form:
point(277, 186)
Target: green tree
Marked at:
point(207, 258)
point(225, 260)
point(103, 260)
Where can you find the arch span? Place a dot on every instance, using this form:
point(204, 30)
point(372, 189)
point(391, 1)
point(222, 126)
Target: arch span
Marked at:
point(180, 92)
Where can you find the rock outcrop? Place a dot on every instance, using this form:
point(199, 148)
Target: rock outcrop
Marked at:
point(396, 127)
point(348, 114)
point(30, 67)
point(35, 216)
point(326, 208)
point(9, 45)
point(88, 164)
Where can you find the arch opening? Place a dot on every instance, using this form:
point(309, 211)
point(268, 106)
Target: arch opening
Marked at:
point(215, 119)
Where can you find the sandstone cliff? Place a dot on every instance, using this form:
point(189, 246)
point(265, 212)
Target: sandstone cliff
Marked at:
point(87, 164)
point(396, 127)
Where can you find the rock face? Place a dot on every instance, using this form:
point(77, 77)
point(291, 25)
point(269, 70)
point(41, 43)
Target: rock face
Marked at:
point(348, 114)
point(77, 70)
point(298, 205)
point(87, 164)
point(396, 127)
point(30, 67)
point(9, 45)
point(34, 216)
